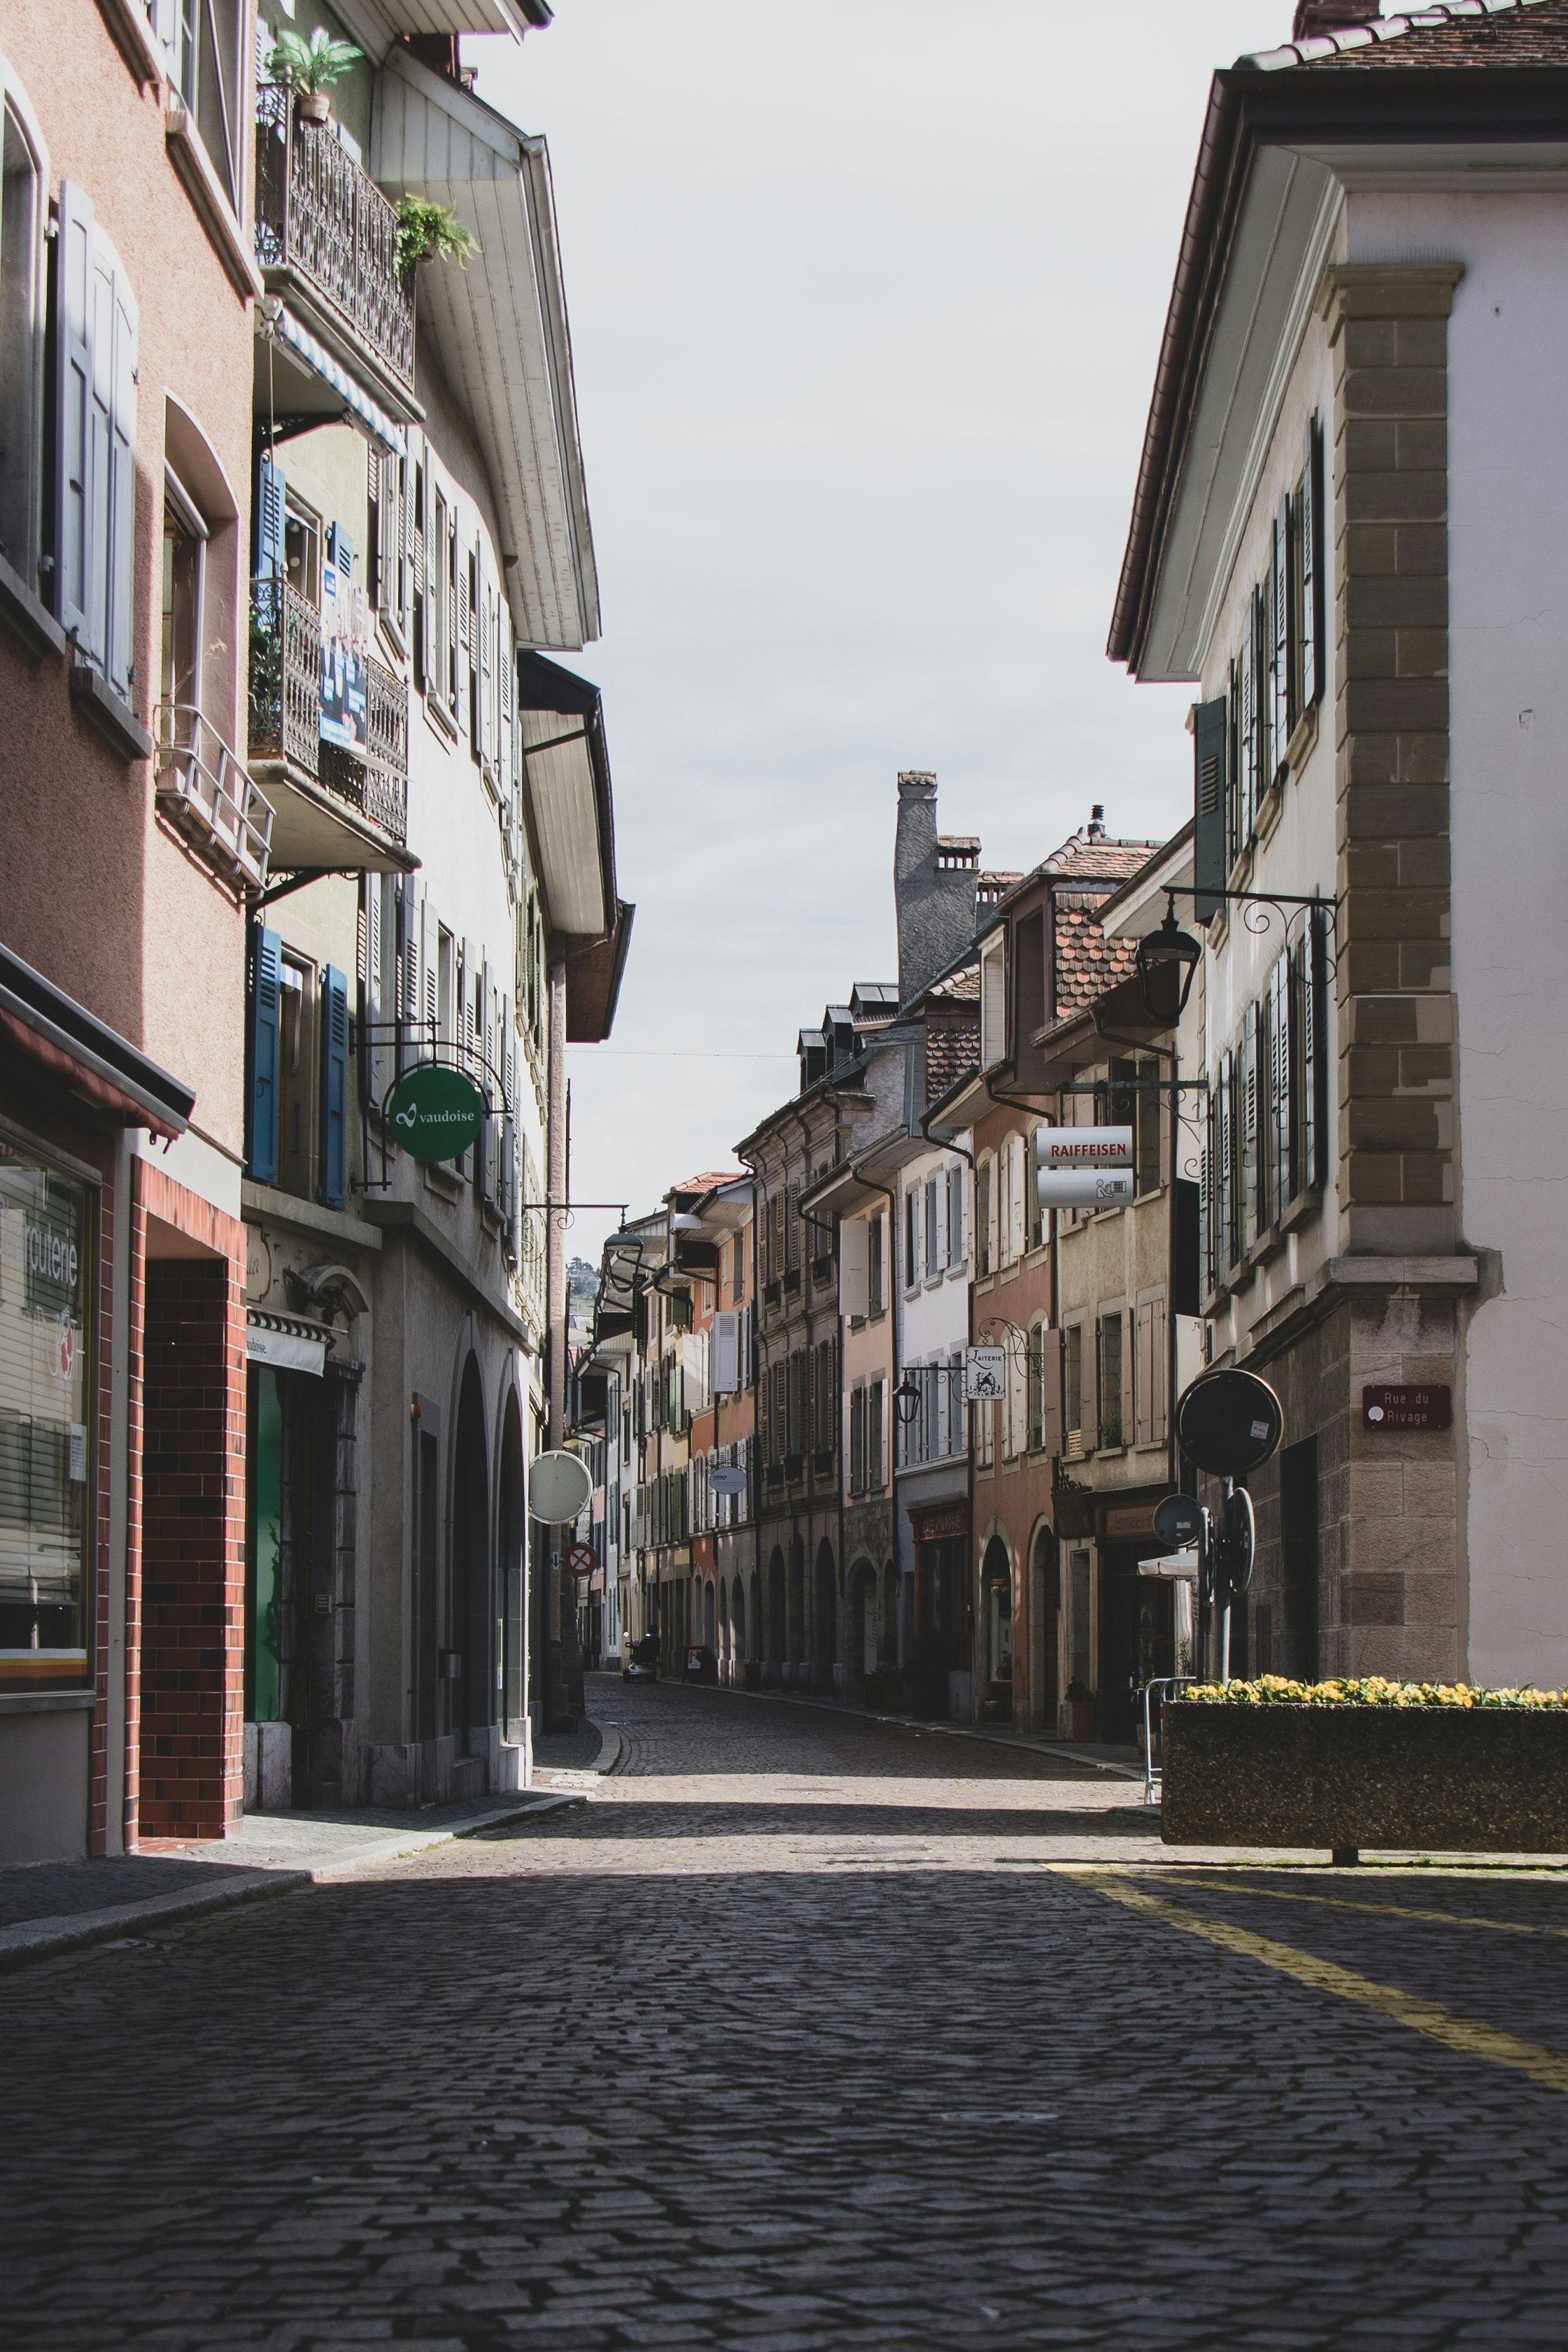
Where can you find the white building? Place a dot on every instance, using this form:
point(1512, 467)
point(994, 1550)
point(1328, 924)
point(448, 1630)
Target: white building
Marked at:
point(1347, 535)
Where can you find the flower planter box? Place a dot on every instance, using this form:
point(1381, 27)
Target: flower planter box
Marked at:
point(1442, 1779)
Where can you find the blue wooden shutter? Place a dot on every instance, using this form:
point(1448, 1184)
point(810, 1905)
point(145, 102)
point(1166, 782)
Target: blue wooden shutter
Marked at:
point(261, 1053)
point(270, 493)
point(120, 489)
point(1211, 728)
point(73, 401)
point(333, 1189)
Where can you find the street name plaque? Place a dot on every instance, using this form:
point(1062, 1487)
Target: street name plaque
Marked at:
point(1407, 1407)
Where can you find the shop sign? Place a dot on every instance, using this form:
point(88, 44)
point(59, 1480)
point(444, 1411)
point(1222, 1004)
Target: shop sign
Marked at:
point(940, 1522)
point(726, 1478)
point(1083, 1188)
point(434, 1112)
point(1128, 1519)
point(1083, 1147)
point(985, 1374)
point(285, 1351)
point(1427, 1407)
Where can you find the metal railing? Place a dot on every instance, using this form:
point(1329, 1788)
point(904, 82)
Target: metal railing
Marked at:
point(317, 212)
point(285, 711)
point(285, 676)
point(1153, 1713)
point(203, 788)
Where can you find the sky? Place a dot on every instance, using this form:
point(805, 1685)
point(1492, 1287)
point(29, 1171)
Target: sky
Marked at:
point(865, 303)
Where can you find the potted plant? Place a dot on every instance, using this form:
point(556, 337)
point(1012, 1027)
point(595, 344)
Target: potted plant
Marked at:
point(311, 68)
point(428, 232)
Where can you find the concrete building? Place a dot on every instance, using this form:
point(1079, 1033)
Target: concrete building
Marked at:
point(1344, 535)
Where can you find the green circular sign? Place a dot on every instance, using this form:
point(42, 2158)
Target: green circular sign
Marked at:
point(434, 1112)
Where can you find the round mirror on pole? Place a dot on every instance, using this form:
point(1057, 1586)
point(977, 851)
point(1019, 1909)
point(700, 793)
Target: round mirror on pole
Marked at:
point(1229, 1421)
point(559, 1486)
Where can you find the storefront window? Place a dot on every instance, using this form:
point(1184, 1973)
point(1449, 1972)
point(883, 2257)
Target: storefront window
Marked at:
point(44, 1290)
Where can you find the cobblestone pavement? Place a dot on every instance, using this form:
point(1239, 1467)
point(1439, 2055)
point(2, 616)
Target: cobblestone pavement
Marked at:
point(803, 2033)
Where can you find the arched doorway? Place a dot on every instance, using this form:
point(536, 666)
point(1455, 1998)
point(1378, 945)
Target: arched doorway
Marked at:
point(773, 1662)
point(511, 1536)
point(825, 1615)
point(469, 1682)
point(997, 1657)
point(710, 1619)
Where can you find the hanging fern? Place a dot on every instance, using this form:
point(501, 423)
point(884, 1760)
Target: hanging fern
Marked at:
point(427, 232)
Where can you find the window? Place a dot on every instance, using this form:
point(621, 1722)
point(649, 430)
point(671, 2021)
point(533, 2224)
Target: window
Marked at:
point(21, 345)
point(1267, 1136)
point(857, 1439)
point(932, 1261)
point(956, 1214)
point(46, 1413)
point(876, 1296)
point(202, 40)
point(875, 1396)
point(1081, 1621)
point(953, 1384)
point(911, 1238)
point(827, 1397)
point(1110, 1356)
point(1036, 1404)
point(94, 504)
point(184, 549)
point(1073, 1378)
point(1149, 1373)
point(985, 1235)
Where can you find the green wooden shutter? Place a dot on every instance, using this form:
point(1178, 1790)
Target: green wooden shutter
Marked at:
point(1210, 728)
point(332, 1190)
point(1282, 715)
point(261, 1055)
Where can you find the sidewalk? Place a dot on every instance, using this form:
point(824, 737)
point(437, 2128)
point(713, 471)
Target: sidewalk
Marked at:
point(55, 1906)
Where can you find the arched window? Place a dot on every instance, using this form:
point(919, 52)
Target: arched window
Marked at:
point(22, 221)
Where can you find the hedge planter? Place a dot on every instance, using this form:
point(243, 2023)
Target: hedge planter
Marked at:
point(1437, 1778)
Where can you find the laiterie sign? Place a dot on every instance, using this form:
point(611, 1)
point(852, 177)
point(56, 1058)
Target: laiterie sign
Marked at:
point(1407, 1408)
point(434, 1113)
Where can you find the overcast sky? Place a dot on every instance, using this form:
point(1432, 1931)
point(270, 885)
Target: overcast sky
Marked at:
point(864, 302)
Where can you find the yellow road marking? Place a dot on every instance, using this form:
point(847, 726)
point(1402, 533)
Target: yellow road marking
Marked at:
point(1343, 1902)
point(1467, 2036)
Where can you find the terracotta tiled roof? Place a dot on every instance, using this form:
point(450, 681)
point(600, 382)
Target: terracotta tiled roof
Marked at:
point(952, 1052)
point(958, 987)
point(1101, 855)
point(708, 1180)
point(1087, 963)
point(1449, 33)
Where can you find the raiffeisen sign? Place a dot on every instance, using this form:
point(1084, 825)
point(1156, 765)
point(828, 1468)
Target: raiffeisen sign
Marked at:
point(1083, 1147)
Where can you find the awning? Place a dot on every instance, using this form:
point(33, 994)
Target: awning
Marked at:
point(566, 769)
point(315, 355)
point(287, 1342)
point(62, 1035)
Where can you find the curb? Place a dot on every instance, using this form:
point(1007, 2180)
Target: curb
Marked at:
point(608, 1759)
point(1071, 1754)
point(31, 1940)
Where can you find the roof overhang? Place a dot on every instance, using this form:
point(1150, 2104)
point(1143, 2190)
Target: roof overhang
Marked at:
point(499, 327)
point(313, 830)
point(1139, 906)
point(378, 24)
point(594, 976)
point(1279, 152)
point(566, 777)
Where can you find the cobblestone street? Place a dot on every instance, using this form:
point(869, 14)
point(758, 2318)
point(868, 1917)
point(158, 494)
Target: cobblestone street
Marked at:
point(792, 2037)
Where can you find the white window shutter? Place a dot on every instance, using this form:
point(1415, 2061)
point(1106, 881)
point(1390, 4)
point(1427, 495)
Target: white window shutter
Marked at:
point(854, 1267)
point(73, 403)
point(119, 491)
point(725, 1353)
point(993, 1006)
point(1017, 1207)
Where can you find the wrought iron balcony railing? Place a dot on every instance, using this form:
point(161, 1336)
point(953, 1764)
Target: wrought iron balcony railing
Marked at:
point(203, 787)
point(319, 213)
point(285, 711)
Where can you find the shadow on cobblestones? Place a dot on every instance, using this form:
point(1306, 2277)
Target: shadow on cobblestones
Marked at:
point(604, 2088)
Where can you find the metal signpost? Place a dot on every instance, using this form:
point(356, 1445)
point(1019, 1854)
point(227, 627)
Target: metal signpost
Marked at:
point(1228, 1422)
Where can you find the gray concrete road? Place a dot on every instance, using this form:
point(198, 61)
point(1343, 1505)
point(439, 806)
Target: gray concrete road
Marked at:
point(803, 2033)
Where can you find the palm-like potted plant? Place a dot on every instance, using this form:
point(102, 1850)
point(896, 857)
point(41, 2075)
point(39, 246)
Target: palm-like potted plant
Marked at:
point(310, 69)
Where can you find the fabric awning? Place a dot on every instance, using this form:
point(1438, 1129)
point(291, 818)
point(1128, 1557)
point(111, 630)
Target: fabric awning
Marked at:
point(319, 361)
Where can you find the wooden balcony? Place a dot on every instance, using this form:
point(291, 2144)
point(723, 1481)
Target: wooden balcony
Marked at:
point(325, 233)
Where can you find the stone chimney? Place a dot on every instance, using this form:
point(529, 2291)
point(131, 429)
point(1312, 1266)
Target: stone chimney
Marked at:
point(933, 892)
point(1331, 17)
